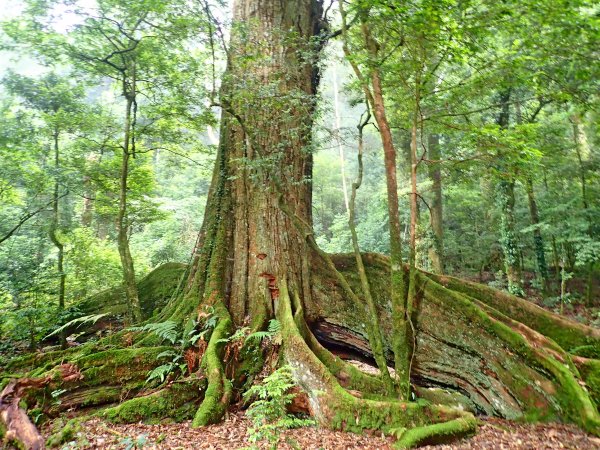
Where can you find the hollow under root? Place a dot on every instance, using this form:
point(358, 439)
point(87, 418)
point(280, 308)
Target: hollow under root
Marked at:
point(335, 407)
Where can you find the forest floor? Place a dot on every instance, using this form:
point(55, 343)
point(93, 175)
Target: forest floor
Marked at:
point(232, 433)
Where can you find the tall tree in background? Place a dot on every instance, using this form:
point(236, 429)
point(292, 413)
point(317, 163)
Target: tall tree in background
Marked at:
point(58, 103)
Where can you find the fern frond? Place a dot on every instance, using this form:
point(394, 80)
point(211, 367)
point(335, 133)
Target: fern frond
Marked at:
point(160, 372)
point(258, 335)
point(274, 326)
point(165, 330)
point(79, 322)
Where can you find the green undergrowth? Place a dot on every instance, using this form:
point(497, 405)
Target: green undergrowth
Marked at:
point(154, 290)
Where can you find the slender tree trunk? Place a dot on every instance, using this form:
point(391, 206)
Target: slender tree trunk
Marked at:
point(402, 334)
point(377, 342)
point(338, 128)
point(580, 147)
point(129, 284)
point(436, 251)
point(505, 199)
point(87, 214)
point(54, 234)
point(414, 205)
point(538, 241)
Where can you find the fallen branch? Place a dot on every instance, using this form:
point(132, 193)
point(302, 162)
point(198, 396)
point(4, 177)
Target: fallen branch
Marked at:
point(18, 426)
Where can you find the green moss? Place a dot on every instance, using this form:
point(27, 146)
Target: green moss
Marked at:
point(587, 351)
point(566, 333)
point(65, 432)
point(124, 365)
point(575, 404)
point(154, 290)
point(219, 390)
point(334, 406)
point(178, 402)
point(438, 433)
point(590, 372)
point(439, 396)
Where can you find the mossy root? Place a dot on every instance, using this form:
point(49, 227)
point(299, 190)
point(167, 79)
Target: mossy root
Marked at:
point(219, 391)
point(437, 433)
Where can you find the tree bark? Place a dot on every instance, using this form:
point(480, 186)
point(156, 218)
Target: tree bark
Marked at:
point(538, 241)
point(131, 293)
point(436, 251)
point(54, 225)
point(505, 199)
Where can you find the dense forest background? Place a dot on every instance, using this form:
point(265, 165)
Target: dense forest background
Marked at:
point(514, 204)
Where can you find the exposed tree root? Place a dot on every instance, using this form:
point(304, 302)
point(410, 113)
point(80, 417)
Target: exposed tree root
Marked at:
point(502, 366)
point(177, 401)
point(568, 334)
point(336, 408)
point(478, 354)
point(219, 391)
point(437, 433)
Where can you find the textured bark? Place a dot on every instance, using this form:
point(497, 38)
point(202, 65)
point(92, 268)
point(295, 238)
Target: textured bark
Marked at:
point(265, 154)
point(54, 225)
point(436, 252)
point(129, 285)
point(538, 240)
point(468, 343)
point(372, 87)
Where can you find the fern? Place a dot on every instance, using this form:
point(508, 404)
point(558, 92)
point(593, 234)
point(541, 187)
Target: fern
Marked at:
point(167, 330)
point(238, 335)
point(160, 372)
point(79, 322)
point(167, 354)
point(268, 412)
point(274, 326)
point(272, 333)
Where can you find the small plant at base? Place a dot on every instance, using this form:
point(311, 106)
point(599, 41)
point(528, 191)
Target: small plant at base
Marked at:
point(273, 333)
point(138, 442)
point(177, 358)
point(268, 412)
